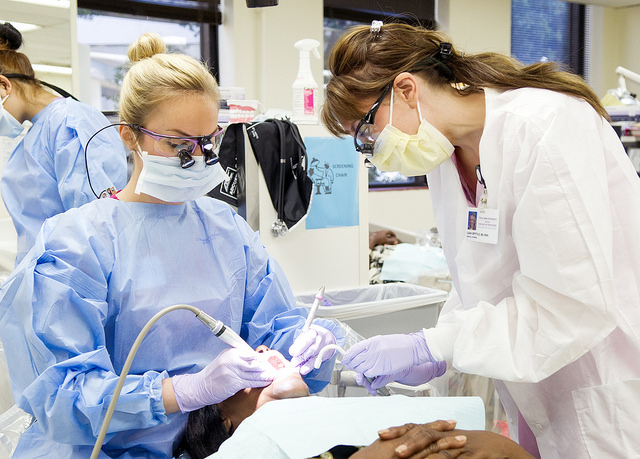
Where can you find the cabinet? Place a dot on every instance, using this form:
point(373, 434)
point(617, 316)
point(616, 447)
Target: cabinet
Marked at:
point(632, 145)
point(335, 257)
point(626, 122)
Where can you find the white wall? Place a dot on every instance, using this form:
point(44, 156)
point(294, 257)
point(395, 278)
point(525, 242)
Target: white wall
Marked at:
point(614, 41)
point(409, 209)
point(624, 28)
point(256, 46)
point(477, 26)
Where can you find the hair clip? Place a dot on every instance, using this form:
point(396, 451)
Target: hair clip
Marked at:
point(375, 28)
point(445, 51)
point(460, 86)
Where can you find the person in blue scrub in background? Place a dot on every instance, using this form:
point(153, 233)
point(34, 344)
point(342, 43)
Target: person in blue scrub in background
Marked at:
point(46, 174)
point(70, 312)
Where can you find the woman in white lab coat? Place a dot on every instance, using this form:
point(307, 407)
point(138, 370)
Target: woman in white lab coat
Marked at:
point(547, 287)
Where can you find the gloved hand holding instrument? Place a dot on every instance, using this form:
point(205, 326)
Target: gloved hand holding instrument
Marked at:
point(311, 340)
point(308, 345)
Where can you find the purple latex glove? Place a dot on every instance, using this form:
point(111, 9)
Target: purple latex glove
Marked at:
point(230, 372)
point(413, 376)
point(308, 345)
point(384, 355)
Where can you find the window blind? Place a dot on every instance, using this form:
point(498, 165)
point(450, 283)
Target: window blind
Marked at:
point(550, 30)
point(202, 11)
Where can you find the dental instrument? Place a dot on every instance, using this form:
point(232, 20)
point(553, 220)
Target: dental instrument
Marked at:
point(313, 310)
point(334, 347)
point(224, 333)
point(324, 350)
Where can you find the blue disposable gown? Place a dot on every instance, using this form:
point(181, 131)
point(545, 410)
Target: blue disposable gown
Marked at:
point(72, 309)
point(46, 174)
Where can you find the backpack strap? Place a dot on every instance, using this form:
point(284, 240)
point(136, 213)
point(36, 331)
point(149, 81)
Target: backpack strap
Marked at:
point(281, 226)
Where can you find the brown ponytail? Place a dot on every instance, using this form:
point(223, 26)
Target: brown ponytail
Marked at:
point(363, 63)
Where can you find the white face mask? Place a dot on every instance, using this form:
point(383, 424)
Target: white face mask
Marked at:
point(9, 126)
point(418, 154)
point(164, 179)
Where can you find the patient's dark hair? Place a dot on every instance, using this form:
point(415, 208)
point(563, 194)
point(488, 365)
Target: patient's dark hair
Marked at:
point(204, 433)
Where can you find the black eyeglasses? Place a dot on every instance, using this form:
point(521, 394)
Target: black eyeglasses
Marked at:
point(183, 147)
point(367, 132)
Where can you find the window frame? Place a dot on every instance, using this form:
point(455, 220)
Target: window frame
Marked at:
point(204, 12)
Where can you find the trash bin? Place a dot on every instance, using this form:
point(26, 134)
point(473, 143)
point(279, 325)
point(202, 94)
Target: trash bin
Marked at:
point(381, 309)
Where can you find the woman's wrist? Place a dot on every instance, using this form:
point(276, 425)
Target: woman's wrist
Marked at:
point(169, 397)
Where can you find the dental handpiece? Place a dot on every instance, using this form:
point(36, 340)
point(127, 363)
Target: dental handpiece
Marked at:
point(223, 332)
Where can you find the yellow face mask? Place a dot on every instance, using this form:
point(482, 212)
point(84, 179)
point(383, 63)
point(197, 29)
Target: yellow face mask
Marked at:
point(418, 154)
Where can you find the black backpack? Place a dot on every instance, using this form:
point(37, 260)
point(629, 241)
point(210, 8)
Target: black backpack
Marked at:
point(280, 151)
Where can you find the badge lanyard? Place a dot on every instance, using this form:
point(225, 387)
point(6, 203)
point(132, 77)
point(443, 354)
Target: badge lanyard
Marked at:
point(482, 222)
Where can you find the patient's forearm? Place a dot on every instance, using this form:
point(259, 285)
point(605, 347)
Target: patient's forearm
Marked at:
point(386, 449)
point(489, 445)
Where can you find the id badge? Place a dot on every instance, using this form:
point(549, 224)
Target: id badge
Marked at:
point(482, 225)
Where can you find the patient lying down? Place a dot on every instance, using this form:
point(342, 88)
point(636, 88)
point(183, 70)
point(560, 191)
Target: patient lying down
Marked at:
point(210, 426)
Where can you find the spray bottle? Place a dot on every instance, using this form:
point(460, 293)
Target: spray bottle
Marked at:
point(305, 89)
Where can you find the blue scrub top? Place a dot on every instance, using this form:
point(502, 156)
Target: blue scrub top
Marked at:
point(72, 309)
point(46, 174)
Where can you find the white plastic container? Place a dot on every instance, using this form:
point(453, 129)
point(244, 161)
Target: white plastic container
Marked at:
point(306, 99)
point(381, 309)
point(244, 111)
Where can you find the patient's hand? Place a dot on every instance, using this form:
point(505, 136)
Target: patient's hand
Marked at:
point(426, 441)
point(382, 237)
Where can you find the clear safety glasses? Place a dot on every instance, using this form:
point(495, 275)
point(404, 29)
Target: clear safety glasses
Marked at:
point(184, 147)
point(367, 132)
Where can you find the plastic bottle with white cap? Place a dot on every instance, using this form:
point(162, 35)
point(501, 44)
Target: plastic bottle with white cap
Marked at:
point(306, 99)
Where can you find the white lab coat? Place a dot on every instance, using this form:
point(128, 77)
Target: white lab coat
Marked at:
point(552, 309)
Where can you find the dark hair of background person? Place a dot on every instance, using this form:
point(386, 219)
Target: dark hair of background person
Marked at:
point(362, 63)
point(14, 62)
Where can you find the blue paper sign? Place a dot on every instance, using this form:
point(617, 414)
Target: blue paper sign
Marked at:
point(333, 169)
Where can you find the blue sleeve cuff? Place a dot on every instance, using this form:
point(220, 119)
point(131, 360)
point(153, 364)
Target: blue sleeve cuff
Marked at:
point(153, 385)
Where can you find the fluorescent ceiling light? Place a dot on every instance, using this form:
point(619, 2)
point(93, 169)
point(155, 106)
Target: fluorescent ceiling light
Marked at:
point(23, 27)
point(173, 40)
point(54, 3)
point(51, 69)
point(109, 58)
